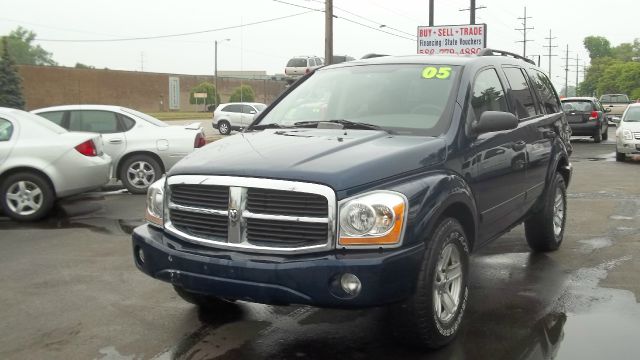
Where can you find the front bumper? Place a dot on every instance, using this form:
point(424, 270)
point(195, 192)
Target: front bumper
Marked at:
point(628, 146)
point(386, 276)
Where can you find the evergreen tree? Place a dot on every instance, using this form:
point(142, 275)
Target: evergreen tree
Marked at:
point(10, 82)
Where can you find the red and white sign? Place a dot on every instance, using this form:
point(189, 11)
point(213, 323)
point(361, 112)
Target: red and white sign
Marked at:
point(452, 39)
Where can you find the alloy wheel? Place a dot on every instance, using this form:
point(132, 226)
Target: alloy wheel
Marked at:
point(558, 212)
point(24, 198)
point(447, 284)
point(141, 174)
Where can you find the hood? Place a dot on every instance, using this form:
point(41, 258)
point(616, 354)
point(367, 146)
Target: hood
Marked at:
point(632, 126)
point(340, 159)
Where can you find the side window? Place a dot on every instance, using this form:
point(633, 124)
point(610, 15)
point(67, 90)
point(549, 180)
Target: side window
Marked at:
point(6, 130)
point(488, 93)
point(522, 97)
point(312, 62)
point(127, 122)
point(55, 117)
point(103, 122)
point(246, 109)
point(319, 62)
point(548, 96)
point(233, 108)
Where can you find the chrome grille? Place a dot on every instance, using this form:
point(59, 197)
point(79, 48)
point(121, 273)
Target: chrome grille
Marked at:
point(269, 201)
point(257, 215)
point(636, 135)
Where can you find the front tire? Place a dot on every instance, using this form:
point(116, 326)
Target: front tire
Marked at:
point(224, 127)
point(139, 172)
point(544, 229)
point(26, 196)
point(620, 156)
point(431, 317)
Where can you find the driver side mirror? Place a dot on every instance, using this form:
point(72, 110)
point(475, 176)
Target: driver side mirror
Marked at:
point(491, 121)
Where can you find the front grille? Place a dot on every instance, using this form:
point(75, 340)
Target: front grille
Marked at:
point(637, 135)
point(255, 215)
point(206, 226)
point(202, 196)
point(285, 233)
point(268, 201)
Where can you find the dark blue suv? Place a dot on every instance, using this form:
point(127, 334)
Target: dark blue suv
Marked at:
point(367, 183)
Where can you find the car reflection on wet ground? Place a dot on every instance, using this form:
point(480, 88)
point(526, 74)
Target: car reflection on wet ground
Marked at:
point(70, 291)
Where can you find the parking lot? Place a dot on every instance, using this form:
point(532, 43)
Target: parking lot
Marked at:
point(70, 290)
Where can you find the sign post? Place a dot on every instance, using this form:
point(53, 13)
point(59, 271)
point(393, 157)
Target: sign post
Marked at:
point(452, 39)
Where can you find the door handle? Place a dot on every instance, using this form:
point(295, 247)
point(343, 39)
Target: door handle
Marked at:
point(519, 145)
point(115, 141)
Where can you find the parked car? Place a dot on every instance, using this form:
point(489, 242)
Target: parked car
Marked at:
point(141, 146)
point(628, 133)
point(586, 117)
point(616, 104)
point(369, 204)
point(41, 162)
point(235, 116)
point(337, 59)
point(301, 65)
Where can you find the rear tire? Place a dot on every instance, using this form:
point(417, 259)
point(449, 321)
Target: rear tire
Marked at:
point(139, 172)
point(605, 134)
point(224, 127)
point(203, 301)
point(597, 138)
point(431, 317)
point(26, 196)
point(544, 229)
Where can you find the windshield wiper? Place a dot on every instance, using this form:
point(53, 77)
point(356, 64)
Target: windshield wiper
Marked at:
point(265, 126)
point(347, 124)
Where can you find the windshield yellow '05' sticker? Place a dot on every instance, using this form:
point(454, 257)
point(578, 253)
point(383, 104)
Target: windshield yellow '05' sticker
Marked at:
point(431, 72)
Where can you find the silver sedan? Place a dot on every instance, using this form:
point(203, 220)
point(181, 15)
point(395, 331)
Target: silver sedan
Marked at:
point(40, 162)
point(142, 147)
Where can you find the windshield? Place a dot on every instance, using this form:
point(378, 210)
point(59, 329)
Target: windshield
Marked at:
point(614, 99)
point(577, 105)
point(406, 99)
point(145, 117)
point(632, 114)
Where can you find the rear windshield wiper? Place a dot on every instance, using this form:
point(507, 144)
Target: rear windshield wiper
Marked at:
point(347, 124)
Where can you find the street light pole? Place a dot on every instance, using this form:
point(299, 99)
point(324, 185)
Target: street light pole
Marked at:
point(215, 70)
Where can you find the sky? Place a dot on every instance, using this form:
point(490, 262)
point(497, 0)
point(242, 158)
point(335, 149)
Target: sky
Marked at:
point(267, 46)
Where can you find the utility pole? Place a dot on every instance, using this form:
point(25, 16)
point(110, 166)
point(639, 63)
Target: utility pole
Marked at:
point(431, 12)
point(566, 73)
point(141, 61)
point(524, 30)
point(328, 32)
point(215, 70)
point(472, 9)
point(577, 72)
point(550, 47)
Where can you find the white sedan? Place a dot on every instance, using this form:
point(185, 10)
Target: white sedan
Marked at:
point(40, 162)
point(141, 146)
point(628, 133)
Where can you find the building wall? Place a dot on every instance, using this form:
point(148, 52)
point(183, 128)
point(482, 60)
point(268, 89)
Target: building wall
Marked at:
point(49, 86)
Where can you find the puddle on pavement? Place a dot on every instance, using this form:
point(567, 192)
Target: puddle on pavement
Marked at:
point(523, 306)
point(82, 212)
point(591, 245)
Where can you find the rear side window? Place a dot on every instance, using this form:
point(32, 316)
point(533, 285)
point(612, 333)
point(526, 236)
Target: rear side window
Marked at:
point(103, 122)
point(524, 102)
point(297, 62)
point(55, 117)
point(548, 96)
point(488, 94)
point(233, 108)
point(6, 130)
point(127, 122)
point(246, 109)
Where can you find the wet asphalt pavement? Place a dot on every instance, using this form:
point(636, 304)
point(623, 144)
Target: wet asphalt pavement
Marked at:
point(69, 290)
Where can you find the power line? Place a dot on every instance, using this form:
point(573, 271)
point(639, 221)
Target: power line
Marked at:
point(524, 30)
point(177, 35)
point(550, 48)
point(472, 9)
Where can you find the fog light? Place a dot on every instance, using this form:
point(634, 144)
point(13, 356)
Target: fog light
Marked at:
point(350, 284)
point(141, 256)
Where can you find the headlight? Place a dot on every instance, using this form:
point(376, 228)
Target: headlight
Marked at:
point(155, 203)
point(627, 135)
point(374, 219)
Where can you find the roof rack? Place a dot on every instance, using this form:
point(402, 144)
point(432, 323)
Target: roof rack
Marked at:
point(493, 52)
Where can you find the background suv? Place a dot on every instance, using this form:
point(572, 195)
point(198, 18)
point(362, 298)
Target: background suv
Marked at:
point(301, 65)
point(235, 116)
